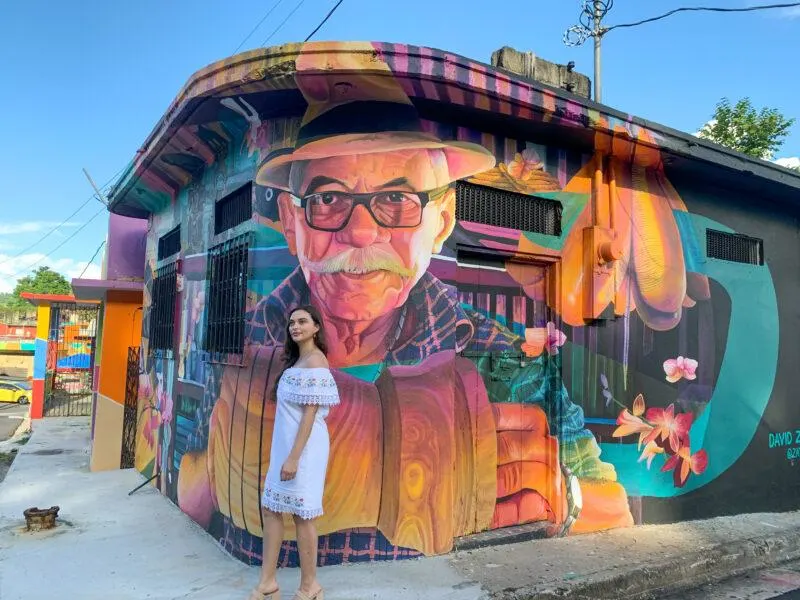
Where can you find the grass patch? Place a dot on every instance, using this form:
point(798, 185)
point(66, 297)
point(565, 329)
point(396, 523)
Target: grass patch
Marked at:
point(6, 458)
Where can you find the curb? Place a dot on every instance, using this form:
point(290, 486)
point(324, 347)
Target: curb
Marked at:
point(503, 536)
point(680, 573)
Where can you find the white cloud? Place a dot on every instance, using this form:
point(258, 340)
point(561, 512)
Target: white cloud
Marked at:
point(708, 124)
point(30, 227)
point(12, 269)
point(792, 162)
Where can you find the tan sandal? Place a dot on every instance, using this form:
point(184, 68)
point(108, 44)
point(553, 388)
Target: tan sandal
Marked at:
point(301, 595)
point(259, 595)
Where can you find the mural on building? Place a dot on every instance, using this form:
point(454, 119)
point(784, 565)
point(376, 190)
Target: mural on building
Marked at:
point(489, 376)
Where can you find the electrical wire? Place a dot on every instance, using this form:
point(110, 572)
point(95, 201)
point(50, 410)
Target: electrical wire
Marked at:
point(703, 8)
point(103, 243)
point(74, 233)
point(64, 222)
point(328, 16)
point(279, 27)
point(264, 18)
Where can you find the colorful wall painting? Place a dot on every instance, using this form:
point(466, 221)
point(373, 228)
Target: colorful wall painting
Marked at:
point(476, 394)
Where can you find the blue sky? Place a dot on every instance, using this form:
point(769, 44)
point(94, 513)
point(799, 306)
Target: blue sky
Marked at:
point(84, 82)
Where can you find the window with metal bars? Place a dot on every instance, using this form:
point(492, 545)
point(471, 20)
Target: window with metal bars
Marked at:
point(227, 296)
point(734, 247)
point(162, 308)
point(169, 243)
point(235, 208)
point(501, 208)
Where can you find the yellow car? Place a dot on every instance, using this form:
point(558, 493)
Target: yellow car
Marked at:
point(15, 391)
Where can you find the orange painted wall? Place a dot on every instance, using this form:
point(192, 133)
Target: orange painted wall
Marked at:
point(122, 327)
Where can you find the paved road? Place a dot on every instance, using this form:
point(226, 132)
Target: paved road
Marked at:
point(11, 416)
point(782, 583)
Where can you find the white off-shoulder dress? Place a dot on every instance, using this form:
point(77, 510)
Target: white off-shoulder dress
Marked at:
point(302, 495)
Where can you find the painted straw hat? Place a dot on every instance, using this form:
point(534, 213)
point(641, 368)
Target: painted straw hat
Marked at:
point(356, 106)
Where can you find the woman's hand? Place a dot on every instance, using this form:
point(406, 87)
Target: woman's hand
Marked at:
point(289, 469)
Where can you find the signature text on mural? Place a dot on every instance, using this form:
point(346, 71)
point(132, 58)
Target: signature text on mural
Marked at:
point(789, 440)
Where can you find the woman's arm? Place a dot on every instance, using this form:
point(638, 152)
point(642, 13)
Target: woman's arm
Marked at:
point(289, 469)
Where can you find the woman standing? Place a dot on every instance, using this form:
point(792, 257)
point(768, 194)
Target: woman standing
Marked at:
point(305, 390)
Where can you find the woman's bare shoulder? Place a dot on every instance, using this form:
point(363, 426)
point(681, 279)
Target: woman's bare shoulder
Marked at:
point(317, 361)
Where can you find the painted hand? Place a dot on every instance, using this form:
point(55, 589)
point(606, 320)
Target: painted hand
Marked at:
point(528, 474)
point(289, 469)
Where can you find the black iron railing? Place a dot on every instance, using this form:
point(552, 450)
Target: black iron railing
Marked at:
point(169, 244)
point(129, 410)
point(162, 308)
point(233, 209)
point(227, 297)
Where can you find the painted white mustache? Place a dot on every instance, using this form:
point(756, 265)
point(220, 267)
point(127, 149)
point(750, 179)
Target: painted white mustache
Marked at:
point(359, 261)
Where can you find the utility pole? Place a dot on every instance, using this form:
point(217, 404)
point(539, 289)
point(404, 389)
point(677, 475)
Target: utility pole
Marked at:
point(591, 26)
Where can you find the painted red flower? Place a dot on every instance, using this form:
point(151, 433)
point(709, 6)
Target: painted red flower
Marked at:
point(683, 463)
point(670, 431)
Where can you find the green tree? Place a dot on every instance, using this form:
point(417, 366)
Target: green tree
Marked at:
point(42, 281)
point(743, 128)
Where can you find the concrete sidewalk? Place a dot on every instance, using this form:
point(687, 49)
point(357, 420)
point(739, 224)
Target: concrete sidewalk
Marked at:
point(109, 544)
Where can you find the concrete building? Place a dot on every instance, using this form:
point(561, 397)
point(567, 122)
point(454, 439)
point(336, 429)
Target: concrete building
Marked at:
point(541, 312)
point(119, 295)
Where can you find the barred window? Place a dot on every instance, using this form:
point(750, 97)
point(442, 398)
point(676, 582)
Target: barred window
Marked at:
point(233, 209)
point(169, 244)
point(227, 297)
point(501, 208)
point(162, 308)
point(734, 247)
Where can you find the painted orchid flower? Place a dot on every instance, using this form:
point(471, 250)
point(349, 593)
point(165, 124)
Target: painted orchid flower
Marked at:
point(683, 463)
point(669, 429)
point(628, 424)
point(165, 406)
point(680, 368)
point(524, 164)
point(650, 451)
point(151, 423)
point(651, 278)
point(539, 339)
point(555, 339)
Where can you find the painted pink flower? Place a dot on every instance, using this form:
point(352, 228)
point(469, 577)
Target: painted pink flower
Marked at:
point(555, 339)
point(669, 430)
point(683, 463)
point(680, 368)
point(165, 406)
point(151, 423)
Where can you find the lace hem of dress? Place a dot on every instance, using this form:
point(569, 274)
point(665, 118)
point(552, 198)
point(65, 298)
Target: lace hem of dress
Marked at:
point(271, 502)
point(326, 399)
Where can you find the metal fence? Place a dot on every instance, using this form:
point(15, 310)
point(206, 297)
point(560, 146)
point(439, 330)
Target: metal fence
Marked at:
point(69, 378)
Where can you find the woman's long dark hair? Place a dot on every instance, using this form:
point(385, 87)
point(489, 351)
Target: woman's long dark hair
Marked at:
point(291, 351)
